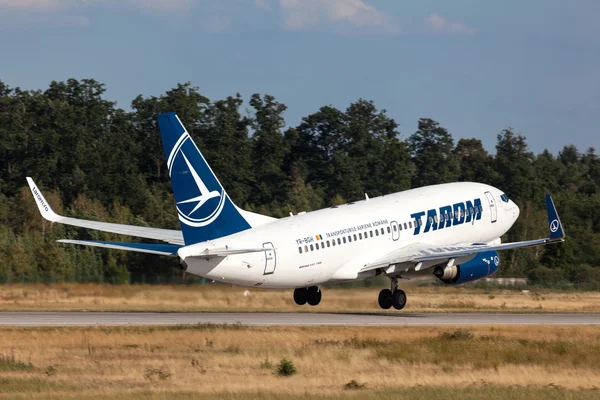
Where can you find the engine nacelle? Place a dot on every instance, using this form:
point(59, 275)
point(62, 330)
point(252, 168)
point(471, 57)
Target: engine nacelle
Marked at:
point(481, 266)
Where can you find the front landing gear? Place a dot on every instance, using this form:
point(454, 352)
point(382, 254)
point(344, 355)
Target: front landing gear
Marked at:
point(392, 298)
point(311, 295)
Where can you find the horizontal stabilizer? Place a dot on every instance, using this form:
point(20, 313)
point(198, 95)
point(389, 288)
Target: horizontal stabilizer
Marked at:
point(224, 252)
point(165, 235)
point(160, 249)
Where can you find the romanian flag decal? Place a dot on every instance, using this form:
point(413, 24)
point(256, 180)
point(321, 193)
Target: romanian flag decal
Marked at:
point(319, 237)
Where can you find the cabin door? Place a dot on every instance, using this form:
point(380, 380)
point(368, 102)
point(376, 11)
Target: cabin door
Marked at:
point(493, 207)
point(395, 230)
point(270, 258)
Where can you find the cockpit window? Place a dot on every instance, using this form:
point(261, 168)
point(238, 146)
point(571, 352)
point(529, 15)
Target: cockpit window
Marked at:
point(504, 198)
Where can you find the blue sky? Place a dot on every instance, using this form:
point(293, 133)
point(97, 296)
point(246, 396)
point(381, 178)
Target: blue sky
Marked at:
point(474, 66)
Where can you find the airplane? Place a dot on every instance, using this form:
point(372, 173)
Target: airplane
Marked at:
point(449, 231)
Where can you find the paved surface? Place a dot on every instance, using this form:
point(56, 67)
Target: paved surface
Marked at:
point(287, 319)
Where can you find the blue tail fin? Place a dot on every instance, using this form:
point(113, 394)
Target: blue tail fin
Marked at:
point(556, 228)
point(204, 208)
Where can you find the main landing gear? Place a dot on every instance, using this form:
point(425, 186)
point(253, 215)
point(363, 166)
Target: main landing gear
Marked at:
point(310, 295)
point(392, 298)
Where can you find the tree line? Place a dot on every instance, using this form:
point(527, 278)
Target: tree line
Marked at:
point(94, 160)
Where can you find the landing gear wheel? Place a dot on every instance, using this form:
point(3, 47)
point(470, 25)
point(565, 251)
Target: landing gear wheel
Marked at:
point(300, 296)
point(399, 299)
point(314, 296)
point(385, 299)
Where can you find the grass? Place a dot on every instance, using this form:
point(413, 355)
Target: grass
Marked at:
point(436, 393)
point(96, 297)
point(238, 362)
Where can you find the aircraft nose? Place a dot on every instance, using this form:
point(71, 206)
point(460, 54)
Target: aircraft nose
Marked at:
point(516, 210)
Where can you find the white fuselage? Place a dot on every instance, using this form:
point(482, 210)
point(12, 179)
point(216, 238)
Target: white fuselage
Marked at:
point(300, 250)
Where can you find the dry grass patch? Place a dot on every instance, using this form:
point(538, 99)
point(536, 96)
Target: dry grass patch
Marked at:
point(95, 297)
point(475, 392)
point(240, 362)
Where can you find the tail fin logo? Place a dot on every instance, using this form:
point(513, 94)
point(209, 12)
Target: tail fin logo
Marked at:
point(205, 207)
point(554, 226)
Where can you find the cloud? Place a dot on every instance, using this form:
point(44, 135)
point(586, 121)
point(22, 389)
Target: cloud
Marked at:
point(304, 14)
point(441, 24)
point(59, 13)
point(35, 5)
point(57, 5)
point(161, 5)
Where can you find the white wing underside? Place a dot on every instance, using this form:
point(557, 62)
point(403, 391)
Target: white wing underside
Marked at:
point(165, 235)
point(171, 236)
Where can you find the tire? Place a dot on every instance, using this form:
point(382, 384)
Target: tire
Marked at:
point(399, 299)
point(314, 296)
point(300, 296)
point(385, 299)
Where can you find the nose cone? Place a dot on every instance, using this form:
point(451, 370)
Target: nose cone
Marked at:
point(516, 210)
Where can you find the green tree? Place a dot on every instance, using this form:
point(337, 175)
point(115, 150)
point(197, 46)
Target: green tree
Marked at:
point(514, 165)
point(268, 150)
point(431, 149)
point(227, 147)
point(476, 164)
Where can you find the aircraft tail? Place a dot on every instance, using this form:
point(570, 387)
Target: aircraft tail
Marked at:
point(205, 210)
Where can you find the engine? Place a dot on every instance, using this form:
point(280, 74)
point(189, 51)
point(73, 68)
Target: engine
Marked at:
point(482, 265)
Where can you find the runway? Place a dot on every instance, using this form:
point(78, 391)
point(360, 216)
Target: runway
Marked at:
point(287, 319)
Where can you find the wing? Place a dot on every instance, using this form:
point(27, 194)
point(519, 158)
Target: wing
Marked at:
point(165, 235)
point(161, 249)
point(421, 255)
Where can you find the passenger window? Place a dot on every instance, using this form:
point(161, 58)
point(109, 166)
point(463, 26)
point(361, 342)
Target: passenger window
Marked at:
point(400, 226)
point(360, 236)
point(344, 239)
point(371, 233)
point(333, 242)
point(328, 244)
point(311, 247)
point(389, 230)
point(355, 237)
point(471, 210)
point(339, 241)
point(410, 224)
point(382, 231)
point(405, 226)
point(435, 218)
point(430, 220)
point(300, 250)
point(395, 228)
point(376, 232)
point(306, 249)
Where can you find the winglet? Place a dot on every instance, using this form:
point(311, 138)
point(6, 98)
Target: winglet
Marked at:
point(41, 202)
point(554, 224)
